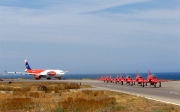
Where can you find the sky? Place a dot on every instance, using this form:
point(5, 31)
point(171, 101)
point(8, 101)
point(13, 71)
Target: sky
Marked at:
point(90, 36)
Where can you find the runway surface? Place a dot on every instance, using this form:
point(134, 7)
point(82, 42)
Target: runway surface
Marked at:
point(169, 92)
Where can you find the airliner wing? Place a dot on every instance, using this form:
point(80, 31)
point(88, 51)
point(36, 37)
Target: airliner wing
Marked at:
point(25, 73)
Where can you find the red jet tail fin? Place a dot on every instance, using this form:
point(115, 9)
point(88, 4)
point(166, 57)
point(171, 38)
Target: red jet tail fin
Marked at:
point(149, 72)
point(137, 74)
point(127, 74)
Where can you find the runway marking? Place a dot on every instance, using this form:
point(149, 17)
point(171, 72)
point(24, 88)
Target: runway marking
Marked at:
point(171, 92)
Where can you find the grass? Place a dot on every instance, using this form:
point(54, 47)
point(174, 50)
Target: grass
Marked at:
point(65, 97)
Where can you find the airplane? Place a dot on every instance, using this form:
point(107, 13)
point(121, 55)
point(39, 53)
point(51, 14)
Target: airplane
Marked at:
point(119, 79)
point(122, 79)
point(106, 79)
point(40, 73)
point(139, 79)
point(152, 79)
point(128, 79)
point(109, 79)
point(102, 78)
point(116, 80)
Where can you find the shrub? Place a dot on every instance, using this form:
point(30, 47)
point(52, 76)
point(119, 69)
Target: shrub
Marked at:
point(82, 104)
point(42, 88)
point(16, 103)
point(34, 94)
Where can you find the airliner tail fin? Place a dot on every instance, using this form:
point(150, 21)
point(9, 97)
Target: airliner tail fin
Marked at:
point(27, 65)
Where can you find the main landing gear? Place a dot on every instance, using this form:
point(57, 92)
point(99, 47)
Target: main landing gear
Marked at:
point(48, 78)
point(156, 84)
point(159, 84)
point(121, 82)
point(132, 84)
point(143, 84)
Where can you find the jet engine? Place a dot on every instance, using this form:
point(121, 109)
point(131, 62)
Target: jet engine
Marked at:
point(37, 77)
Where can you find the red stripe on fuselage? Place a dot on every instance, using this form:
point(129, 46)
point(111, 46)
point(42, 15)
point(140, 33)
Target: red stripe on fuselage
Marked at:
point(35, 71)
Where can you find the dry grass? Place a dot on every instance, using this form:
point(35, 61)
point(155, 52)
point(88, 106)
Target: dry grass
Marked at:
point(65, 97)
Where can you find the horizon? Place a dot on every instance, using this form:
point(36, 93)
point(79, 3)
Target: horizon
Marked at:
point(123, 73)
point(90, 36)
point(166, 75)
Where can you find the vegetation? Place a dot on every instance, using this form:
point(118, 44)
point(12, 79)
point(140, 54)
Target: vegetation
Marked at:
point(67, 97)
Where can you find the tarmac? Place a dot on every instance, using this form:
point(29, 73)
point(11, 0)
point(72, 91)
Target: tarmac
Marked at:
point(169, 92)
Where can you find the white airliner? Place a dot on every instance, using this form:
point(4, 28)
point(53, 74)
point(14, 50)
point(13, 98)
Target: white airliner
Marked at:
point(39, 73)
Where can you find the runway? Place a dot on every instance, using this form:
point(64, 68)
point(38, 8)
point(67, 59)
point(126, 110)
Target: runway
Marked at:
point(169, 92)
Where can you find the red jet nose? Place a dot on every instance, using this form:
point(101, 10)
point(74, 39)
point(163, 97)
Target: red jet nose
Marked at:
point(140, 80)
point(154, 80)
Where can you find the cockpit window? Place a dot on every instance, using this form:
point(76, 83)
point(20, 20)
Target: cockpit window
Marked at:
point(153, 75)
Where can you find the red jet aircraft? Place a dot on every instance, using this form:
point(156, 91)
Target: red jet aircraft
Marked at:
point(152, 79)
point(120, 79)
point(139, 79)
point(107, 79)
point(128, 79)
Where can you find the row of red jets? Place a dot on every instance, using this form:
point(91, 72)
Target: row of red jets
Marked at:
point(152, 79)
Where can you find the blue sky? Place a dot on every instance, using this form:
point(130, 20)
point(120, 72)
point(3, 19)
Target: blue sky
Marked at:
point(90, 36)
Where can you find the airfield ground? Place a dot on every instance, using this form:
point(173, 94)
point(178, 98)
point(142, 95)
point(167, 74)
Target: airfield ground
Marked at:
point(116, 99)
